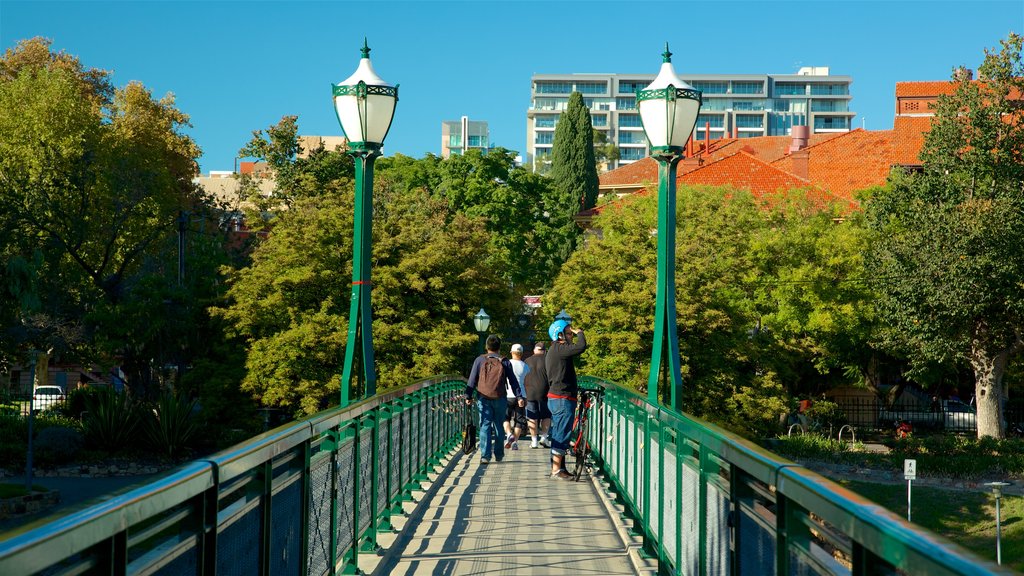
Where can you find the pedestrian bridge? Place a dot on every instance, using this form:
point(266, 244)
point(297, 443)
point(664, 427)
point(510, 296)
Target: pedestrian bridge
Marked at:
point(382, 487)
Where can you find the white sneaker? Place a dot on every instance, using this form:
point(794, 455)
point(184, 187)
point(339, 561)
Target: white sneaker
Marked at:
point(534, 444)
point(508, 441)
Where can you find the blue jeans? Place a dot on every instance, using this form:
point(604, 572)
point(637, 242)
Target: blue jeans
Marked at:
point(491, 432)
point(562, 411)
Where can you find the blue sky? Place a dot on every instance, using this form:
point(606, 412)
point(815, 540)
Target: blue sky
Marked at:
point(235, 67)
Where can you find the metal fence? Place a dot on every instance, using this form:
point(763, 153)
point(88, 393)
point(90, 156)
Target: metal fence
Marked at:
point(18, 404)
point(871, 413)
point(305, 498)
point(709, 502)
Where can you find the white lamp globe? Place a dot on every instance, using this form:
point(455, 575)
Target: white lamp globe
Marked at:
point(668, 108)
point(365, 105)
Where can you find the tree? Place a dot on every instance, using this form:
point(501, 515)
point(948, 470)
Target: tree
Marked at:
point(93, 180)
point(946, 248)
point(814, 299)
point(290, 305)
point(605, 152)
point(293, 176)
point(609, 285)
point(573, 173)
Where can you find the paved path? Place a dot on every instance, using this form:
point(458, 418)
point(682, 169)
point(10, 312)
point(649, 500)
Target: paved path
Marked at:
point(509, 518)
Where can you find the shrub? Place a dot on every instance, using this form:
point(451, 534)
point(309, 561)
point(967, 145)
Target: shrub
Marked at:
point(827, 416)
point(13, 441)
point(78, 401)
point(171, 424)
point(57, 445)
point(110, 421)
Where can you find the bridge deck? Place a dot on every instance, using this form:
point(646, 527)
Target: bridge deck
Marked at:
point(509, 518)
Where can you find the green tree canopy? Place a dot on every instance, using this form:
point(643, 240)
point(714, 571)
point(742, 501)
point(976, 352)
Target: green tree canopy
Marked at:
point(573, 174)
point(290, 305)
point(946, 250)
point(93, 179)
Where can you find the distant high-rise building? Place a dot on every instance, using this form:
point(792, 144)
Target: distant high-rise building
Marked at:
point(735, 105)
point(457, 136)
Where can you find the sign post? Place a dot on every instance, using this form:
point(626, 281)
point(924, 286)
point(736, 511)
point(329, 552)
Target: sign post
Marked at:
point(909, 474)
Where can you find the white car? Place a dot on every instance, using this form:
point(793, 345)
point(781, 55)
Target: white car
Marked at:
point(46, 397)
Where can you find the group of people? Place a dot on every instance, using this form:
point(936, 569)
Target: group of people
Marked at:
point(540, 392)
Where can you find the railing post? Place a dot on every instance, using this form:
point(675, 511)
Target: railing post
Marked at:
point(266, 520)
point(351, 562)
point(370, 423)
point(384, 524)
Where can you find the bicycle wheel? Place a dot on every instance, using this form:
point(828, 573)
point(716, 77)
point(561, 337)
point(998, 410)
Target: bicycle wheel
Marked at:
point(581, 450)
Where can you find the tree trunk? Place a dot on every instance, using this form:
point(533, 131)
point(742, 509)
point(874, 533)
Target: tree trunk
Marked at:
point(989, 391)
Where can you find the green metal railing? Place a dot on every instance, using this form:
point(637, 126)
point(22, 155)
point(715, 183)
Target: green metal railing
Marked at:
point(305, 498)
point(707, 501)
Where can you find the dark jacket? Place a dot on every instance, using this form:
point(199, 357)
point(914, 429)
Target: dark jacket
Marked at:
point(537, 378)
point(510, 375)
point(560, 369)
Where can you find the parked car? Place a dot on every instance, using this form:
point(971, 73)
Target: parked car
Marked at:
point(46, 397)
point(949, 415)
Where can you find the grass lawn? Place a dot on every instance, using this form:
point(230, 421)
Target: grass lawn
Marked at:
point(967, 518)
point(9, 490)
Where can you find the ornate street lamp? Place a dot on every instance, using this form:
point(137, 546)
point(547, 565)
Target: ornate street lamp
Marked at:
point(365, 105)
point(668, 111)
point(482, 322)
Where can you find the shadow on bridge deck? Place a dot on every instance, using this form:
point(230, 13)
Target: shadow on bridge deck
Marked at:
point(508, 518)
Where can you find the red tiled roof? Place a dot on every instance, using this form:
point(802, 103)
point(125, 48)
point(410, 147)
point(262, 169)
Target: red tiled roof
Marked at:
point(765, 148)
point(924, 89)
point(908, 138)
point(743, 170)
point(854, 161)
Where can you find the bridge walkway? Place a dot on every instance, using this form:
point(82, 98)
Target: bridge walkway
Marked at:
point(509, 518)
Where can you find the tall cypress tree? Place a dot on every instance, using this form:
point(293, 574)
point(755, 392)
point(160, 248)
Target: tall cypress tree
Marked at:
point(573, 173)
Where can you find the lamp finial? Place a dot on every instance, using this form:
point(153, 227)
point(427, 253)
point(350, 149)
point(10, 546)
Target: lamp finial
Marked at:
point(365, 50)
point(666, 55)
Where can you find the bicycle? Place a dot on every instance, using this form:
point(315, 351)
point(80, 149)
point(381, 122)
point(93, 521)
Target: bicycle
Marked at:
point(580, 445)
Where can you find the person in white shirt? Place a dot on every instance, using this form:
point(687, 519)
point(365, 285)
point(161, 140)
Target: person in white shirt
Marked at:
point(515, 414)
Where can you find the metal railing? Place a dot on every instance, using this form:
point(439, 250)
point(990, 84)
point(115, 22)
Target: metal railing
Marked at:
point(305, 498)
point(707, 501)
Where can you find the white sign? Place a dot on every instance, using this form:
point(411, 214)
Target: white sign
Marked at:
point(910, 469)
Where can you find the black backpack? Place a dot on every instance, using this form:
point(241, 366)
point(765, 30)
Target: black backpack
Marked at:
point(490, 381)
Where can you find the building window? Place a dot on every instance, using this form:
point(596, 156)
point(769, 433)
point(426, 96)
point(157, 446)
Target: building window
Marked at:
point(748, 105)
point(545, 121)
point(749, 134)
point(715, 120)
point(832, 123)
point(632, 153)
point(477, 142)
point(455, 141)
point(829, 106)
point(748, 121)
point(625, 103)
point(592, 87)
point(630, 121)
point(599, 120)
point(829, 89)
point(553, 88)
point(712, 87)
point(542, 153)
point(544, 138)
point(550, 103)
point(632, 138)
point(748, 88)
point(790, 89)
point(716, 104)
point(631, 86)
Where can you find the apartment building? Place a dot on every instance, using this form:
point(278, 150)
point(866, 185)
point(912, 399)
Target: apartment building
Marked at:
point(734, 105)
point(458, 136)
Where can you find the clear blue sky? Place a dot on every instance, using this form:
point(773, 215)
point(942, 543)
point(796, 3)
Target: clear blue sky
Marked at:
point(239, 66)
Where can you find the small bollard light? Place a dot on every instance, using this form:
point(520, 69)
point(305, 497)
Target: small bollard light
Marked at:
point(997, 491)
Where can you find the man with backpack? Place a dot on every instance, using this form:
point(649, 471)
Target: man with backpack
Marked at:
point(488, 378)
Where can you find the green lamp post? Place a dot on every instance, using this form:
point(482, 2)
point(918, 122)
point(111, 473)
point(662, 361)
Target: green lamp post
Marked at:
point(365, 105)
point(668, 111)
